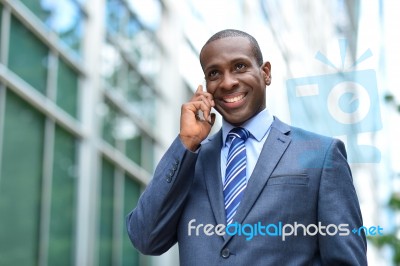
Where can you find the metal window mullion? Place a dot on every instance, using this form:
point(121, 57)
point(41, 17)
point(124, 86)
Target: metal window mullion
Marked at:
point(48, 159)
point(4, 39)
point(51, 90)
point(41, 103)
point(86, 244)
point(5, 34)
point(45, 206)
point(131, 62)
point(140, 175)
point(122, 106)
point(119, 177)
point(3, 94)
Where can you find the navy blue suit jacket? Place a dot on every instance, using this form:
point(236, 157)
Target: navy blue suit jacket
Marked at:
point(300, 178)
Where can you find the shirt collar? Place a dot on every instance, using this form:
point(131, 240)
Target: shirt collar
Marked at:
point(257, 126)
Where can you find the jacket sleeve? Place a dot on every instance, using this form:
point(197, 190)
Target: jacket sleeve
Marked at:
point(152, 224)
point(338, 205)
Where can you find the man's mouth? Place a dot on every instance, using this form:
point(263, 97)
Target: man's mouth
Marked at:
point(233, 99)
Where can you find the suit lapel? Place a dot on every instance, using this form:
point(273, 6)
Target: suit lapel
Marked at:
point(211, 153)
point(272, 151)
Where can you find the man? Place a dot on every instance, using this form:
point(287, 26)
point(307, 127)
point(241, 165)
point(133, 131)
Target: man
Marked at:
point(258, 192)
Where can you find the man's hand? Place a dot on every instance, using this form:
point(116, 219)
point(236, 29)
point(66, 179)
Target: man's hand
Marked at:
point(196, 119)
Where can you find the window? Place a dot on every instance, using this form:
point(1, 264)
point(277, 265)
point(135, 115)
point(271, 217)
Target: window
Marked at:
point(131, 195)
point(67, 88)
point(64, 17)
point(106, 214)
point(1, 28)
point(109, 124)
point(45, 145)
point(134, 148)
point(115, 247)
point(63, 199)
point(20, 182)
point(30, 65)
point(21, 188)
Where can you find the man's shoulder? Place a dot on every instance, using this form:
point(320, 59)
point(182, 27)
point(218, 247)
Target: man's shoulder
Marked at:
point(301, 134)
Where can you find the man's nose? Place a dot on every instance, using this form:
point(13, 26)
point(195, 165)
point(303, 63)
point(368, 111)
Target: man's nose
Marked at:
point(229, 81)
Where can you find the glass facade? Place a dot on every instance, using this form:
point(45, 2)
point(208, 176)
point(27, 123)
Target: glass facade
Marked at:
point(64, 17)
point(44, 136)
point(20, 183)
point(31, 66)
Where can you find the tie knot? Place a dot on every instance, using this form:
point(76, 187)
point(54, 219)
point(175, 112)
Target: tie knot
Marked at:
point(239, 132)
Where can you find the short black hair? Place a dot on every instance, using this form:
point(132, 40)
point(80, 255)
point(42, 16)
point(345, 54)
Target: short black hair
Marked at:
point(237, 33)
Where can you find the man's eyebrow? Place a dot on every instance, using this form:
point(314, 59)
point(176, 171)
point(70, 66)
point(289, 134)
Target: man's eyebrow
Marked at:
point(234, 60)
point(213, 66)
point(240, 59)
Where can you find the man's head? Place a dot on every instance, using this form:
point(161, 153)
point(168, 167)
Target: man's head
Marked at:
point(235, 75)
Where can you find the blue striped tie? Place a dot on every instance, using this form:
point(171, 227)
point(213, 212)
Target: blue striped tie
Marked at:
point(235, 175)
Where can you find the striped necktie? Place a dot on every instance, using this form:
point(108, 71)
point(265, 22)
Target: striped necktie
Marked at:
point(235, 175)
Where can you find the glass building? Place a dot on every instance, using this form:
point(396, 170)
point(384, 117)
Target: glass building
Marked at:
point(78, 104)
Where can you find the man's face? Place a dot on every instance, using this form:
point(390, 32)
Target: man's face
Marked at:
point(234, 78)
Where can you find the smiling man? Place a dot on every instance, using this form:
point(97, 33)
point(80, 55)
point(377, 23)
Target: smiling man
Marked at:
point(256, 173)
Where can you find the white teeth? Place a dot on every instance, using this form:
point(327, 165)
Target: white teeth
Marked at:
point(234, 99)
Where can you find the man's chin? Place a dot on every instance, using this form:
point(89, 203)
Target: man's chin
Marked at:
point(236, 120)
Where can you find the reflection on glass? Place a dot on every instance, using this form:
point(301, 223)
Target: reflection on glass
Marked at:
point(111, 64)
point(127, 84)
point(149, 12)
point(116, 12)
point(117, 126)
point(109, 118)
point(139, 95)
point(62, 16)
point(147, 53)
point(132, 27)
point(133, 36)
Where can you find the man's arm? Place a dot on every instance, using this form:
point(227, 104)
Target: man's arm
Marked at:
point(338, 204)
point(152, 224)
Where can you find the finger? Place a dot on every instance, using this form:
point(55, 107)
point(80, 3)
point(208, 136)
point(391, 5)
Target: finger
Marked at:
point(209, 97)
point(197, 106)
point(205, 100)
point(200, 92)
point(206, 109)
point(197, 93)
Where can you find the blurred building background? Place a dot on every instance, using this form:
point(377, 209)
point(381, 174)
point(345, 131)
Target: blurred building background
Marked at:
point(90, 96)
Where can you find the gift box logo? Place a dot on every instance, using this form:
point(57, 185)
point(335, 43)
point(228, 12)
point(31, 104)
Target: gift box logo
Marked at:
point(345, 103)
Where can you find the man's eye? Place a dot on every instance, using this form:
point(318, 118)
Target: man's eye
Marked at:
point(212, 73)
point(240, 66)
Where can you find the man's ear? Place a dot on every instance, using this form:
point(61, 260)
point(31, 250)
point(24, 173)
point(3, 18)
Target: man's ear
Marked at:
point(266, 68)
